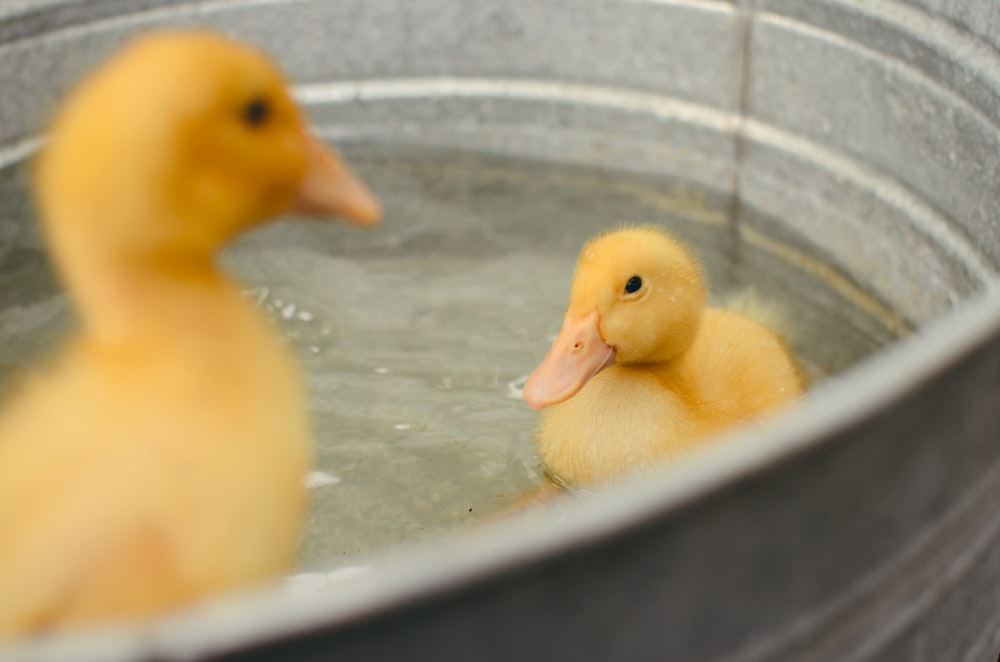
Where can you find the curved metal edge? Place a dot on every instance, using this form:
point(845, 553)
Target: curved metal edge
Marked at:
point(874, 385)
point(61, 18)
point(930, 223)
point(242, 620)
point(506, 546)
point(935, 32)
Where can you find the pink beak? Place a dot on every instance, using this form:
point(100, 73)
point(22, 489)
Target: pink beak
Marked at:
point(578, 353)
point(329, 188)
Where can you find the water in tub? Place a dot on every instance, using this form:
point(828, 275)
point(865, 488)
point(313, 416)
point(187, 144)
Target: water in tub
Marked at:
point(416, 336)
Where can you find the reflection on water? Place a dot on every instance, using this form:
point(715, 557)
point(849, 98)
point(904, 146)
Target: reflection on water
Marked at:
point(416, 336)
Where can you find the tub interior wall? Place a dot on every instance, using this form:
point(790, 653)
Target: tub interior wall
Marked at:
point(784, 141)
point(876, 155)
point(858, 136)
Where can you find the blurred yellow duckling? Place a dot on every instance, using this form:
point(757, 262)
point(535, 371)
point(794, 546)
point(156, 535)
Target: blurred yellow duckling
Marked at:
point(642, 369)
point(160, 457)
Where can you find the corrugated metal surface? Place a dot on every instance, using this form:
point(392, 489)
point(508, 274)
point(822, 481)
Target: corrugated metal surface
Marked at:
point(862, 526)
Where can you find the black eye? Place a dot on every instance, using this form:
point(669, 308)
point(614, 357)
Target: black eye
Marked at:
point(257, 111)
point(633, 285)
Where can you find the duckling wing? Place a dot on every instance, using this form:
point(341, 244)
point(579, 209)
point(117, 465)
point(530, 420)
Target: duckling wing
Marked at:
point(739, 369)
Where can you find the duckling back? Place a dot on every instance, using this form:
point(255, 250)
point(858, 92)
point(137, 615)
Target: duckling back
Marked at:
point(738, 370)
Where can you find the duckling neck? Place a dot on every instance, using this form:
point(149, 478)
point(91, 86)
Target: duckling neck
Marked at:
point(122, 300)
point(671, 375)
point(666, 370)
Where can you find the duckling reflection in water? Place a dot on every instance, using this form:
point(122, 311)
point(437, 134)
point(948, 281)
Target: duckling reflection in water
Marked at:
point(160, 457)
point(642, 369)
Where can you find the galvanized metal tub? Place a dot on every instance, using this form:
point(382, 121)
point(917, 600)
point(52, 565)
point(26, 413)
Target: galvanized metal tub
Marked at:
point(864, 524)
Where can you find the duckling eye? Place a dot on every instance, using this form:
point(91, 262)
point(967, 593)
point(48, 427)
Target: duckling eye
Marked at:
point(633, 285)
point(257, 111)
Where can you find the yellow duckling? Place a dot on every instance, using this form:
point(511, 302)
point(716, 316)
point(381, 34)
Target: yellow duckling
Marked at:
point(160, 457)
point(641, 368)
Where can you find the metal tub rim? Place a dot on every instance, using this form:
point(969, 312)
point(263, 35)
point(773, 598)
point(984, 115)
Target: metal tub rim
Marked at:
point(446, 565)
point(244, 619)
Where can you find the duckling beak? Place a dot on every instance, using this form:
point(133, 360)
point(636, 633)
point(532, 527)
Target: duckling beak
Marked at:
point(329, 188)
point(578, 353)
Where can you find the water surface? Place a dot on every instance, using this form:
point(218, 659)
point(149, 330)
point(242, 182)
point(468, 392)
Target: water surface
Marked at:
point(416, 335)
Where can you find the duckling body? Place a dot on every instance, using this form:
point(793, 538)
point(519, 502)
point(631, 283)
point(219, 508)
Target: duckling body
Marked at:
point(153, 470)
point(650, 372)
point(160, 457)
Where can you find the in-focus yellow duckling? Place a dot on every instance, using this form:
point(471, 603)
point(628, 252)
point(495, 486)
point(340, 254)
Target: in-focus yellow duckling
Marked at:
point(160, 457)
point(641, 368)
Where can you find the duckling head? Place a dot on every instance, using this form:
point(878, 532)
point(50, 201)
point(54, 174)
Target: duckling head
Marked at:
point(176, 144)
point(637, 298)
